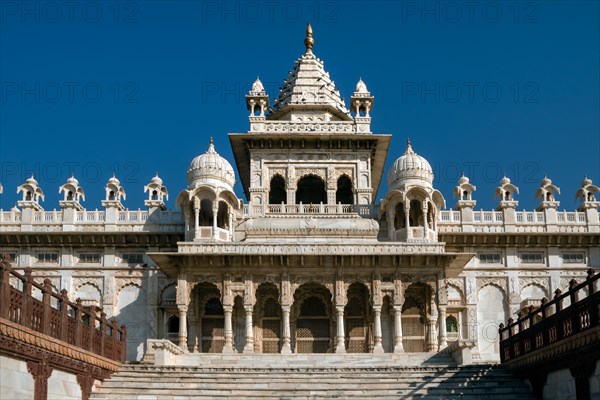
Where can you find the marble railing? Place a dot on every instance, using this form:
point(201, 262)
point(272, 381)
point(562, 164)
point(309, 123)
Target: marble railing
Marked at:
point(525, 221)
point(364, 210)
point(96, 220)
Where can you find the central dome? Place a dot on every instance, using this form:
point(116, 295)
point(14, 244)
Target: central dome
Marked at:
point(210, 168)
point(410, 168)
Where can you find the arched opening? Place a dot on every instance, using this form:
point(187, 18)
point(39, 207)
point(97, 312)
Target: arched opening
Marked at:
point(111, 195)
point(465, 195)
point(277, 194)
point(223, 215)
point(173, 329)
point(312, 319)
point(69, 195)
point(206, 213)
point(415, 214)
point(207, 330)
point(414, 318)
point(492, 308)
point(451, 325)
point(399, 217)
point(355, 314)
point(507, 195)
point(154, 195)
point(387, 325)
point(268, 318)
point(344, 193)
point(311, 190)
point(238, 318)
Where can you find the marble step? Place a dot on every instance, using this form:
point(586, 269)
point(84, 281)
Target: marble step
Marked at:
point(143, 382)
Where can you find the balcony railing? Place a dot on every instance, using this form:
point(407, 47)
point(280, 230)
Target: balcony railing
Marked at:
point(551, 323)
point(364, 210)
point(54, 315)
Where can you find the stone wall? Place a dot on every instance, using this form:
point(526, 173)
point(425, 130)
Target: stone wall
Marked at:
point(15, 381)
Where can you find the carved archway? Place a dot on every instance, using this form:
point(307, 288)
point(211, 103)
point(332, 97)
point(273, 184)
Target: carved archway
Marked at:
point(356, 315)
point(267, 316)
point(311, 319)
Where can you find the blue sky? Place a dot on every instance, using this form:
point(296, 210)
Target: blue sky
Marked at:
point(488, 88)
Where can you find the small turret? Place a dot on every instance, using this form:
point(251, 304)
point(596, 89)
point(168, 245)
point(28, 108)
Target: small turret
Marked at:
point(32, 194)
point(546, 193)
point(157, 193)
point(587, 195)
point(506, 193)
point(73, 194)
point(114, 194)
point(464, 193)
point(257, 100)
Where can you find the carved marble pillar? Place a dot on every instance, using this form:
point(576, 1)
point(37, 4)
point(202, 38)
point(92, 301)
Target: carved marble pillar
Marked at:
point(286, 347)
point(197, 222)
point(378, 347)
point(228, 347)
point(214, 224)
point(432, 342)
point(340, 342)
point(443, 341)
point(398, 347)
point(249, 345)
point(424, 209)
point(407, 216)
point(183, 326)
point(40, 371)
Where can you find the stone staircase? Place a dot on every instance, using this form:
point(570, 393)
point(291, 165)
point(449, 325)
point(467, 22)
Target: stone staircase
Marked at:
point(324, 376)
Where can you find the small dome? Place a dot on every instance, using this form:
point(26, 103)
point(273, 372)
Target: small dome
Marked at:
point(361, 87)
point(586, 182)
point(208, 167)
point(504, 181)
point(73, 181)
point(32, 181)
point(114, 181)
point(463, 179)
point(546, 181)
point(257, 87)
point(156, 180)
point(410, 166)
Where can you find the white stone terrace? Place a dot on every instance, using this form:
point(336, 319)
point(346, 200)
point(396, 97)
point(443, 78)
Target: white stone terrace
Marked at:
point(171, 220)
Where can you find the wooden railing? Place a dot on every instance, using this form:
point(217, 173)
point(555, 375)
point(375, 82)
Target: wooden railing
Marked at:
point(54, 315)
point(551, 323)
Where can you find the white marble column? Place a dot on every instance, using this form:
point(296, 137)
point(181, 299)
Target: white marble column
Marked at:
point(286, 348)
point(196, 223)
point(249, 345)
point(340, 346)
point(398, 347)
point(378, 347)
point(432, 336)
point(214, 230)
point(183, 327)
point(443, 340)
point(228, 347)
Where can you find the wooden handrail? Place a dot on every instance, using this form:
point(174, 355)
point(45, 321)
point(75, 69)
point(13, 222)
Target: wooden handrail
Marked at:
point(67, 322)
point(550, 322)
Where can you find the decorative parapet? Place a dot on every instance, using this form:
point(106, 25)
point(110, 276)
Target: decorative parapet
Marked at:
point(317, 128)
point(85, 220)
point(525, 221)
point(378, 249)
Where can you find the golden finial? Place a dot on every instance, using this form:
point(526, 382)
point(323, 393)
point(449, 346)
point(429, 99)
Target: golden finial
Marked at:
point(309, 41)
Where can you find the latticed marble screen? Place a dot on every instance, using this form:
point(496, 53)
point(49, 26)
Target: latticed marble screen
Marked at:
point(356, 332)
point(313, 335)
point(213, 335)
point(271, 331)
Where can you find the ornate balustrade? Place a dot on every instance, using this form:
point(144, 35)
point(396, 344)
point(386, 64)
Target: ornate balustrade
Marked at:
point(54, 315)
point(364, 210)
point(551, 323)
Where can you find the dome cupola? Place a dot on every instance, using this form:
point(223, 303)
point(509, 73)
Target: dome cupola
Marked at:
point(410, 168)
point(212, 169)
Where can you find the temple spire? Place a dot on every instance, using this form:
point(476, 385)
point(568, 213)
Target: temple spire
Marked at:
point(308, 40)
